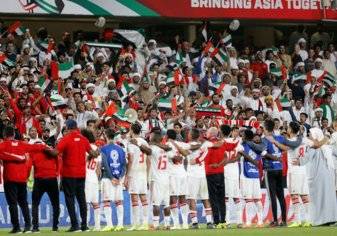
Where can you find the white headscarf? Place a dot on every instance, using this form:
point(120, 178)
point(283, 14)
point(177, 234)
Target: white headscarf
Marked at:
point(317, 134)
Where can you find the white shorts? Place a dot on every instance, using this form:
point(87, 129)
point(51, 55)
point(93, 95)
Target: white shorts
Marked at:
point(91, 192)
point(232, 188)
point(197, 188)
point(137, 185)
point(178, 186)
point(111, 192)
point(250, 188)
point(160, 194)
point(298, 183)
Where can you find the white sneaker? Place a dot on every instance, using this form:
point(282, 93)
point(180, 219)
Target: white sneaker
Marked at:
point(185, 226)
point(133, 228)
point(176, 227)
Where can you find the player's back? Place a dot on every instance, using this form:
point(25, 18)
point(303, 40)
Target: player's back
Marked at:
point(91, 174)
point(177, 168)
point(297, 153)
point(137, 159)
point(232, 170)
point(159, 170)
point(198, 169)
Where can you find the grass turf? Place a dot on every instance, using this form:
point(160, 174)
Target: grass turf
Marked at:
point(314, 231)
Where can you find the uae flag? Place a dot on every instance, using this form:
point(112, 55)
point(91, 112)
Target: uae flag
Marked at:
point(45, 83)
point(129, 36)
point(179, 58)
point(167, 104)
point(173, 78)
point(111, 109)
point(298, 76)
point(219, 56)
point(121, 119)
point(282, 103)
point(4, 60)
point(227, 40)
point(280, 72)
point(209, 48)
point(57, 101)
point(65, 69)
point(329, 80)
point(276, 71)
point(16, 28)
point(124, 90)
point(216, 88)
point(328, 112)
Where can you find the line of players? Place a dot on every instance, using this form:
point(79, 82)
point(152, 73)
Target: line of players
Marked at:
point(172, 173)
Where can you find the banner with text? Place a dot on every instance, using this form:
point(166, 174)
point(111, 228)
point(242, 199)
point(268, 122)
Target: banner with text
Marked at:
point(222, 9)
point(45, 211)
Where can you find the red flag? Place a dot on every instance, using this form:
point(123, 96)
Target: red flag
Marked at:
point(54, 70)
point(14, 26)
point(111, 109)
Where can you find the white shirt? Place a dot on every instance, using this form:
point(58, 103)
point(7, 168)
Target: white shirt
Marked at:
point(159, 169)
point(232, 170)
point(198, 170)
point(83, 117)
point(91, 175)
point(177, 168)
point(294, 154)
point(137, 159)
point(303, 54)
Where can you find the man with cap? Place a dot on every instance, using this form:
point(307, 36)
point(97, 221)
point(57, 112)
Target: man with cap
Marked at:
point(73, 148)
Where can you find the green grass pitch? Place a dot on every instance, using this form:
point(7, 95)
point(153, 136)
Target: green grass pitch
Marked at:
point(314, 231)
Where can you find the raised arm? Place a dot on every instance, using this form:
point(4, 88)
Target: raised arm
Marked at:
point(248, 158)
point(257, 147)
point(293, 144)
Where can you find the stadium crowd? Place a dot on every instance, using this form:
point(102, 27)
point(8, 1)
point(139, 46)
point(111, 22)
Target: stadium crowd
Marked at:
point(171, 124)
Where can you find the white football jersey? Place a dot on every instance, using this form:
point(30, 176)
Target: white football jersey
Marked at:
point(137, 159)
point(232, 170)
point(159, 170)
point(91, 175)
point(177, 167)
point(297, 153)
point(198, 170)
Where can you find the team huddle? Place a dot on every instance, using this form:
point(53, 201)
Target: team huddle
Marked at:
point(161, 170)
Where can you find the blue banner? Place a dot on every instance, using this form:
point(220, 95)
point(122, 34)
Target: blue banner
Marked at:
point(46, 210)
